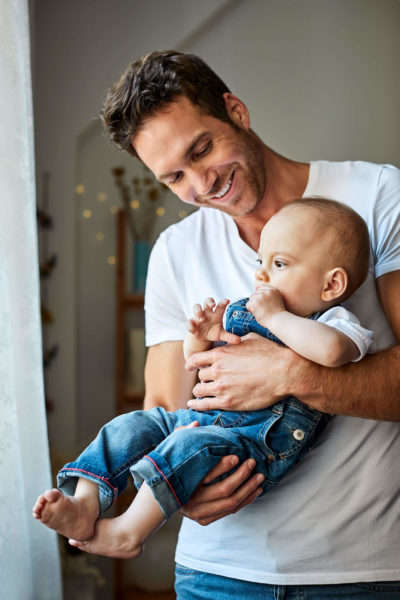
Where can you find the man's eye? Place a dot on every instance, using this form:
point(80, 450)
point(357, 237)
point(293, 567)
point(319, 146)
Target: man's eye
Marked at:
point(203, 151)
point(177, 177)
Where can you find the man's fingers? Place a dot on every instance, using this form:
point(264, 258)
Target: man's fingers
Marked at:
point(198, 360)
point(237, 483)
point(206, 403)
point(234, 481)
point(206, 512)
point(250, 498)
point(190, 426)
point(224, 466)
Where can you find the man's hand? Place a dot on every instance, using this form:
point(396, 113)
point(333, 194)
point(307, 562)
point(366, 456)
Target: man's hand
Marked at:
point(248, 376)
point(212, 502)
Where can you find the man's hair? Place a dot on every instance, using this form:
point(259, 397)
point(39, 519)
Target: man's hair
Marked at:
point(151, 83)
point(346, 232)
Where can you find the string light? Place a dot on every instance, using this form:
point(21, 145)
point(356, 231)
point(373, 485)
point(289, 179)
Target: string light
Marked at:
point(101, 197)
point(87, 213)
point(111, 260)
point(160, 211)
point(80, 189)
point(100, 237)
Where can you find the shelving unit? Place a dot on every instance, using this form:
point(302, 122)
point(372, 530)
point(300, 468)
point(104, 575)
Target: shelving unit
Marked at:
point(125, 302)
point(126, 400)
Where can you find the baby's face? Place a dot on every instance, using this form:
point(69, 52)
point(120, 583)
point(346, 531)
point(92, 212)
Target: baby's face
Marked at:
point(292, 261)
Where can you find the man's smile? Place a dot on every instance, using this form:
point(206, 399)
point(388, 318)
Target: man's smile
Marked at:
point(223, 192)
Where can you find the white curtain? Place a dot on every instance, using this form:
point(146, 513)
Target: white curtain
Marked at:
point(29, 563)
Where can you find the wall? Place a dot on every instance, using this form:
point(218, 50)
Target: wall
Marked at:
point(321, 80)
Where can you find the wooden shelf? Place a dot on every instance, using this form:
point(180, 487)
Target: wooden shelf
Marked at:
point(133, 301)
point(133, 397)
point(126, 399)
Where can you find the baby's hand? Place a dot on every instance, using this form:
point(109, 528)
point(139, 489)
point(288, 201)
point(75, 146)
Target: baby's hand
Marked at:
point(206, 323)
point(266, 302)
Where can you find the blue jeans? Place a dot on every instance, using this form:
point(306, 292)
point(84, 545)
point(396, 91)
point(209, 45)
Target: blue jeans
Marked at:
point(195, 585)
point(144, 444)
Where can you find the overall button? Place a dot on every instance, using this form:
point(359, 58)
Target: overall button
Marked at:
point(235, 313)
point(298, 435)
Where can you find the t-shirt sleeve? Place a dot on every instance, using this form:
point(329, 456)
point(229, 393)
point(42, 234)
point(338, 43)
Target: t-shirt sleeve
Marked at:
point(344, 321)
point(385, 234)
point(164, 316)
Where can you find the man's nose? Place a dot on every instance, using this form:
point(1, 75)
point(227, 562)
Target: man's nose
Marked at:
point(262, 275)
point(202, 180)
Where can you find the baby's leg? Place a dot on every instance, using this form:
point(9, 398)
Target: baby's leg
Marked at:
point(124, 536)
point(72, 516)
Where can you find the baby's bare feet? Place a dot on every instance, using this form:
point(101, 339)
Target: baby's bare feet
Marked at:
point(112, 538)
point(69, 516)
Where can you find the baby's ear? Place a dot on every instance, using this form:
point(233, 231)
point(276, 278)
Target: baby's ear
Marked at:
point(335, 284)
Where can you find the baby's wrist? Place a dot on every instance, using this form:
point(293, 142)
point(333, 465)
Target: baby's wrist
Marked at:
point(273, 320)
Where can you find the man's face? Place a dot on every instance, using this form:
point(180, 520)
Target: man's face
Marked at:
point(204, 161)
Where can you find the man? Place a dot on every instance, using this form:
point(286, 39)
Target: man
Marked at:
point(333, 523)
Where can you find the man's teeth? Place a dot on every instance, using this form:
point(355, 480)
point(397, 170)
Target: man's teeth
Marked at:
point(225, 189)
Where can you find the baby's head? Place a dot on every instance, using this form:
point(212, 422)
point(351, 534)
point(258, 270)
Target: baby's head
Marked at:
point(315, 252)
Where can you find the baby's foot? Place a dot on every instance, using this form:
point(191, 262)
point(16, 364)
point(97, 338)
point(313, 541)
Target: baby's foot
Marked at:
point(69, 516)
point(112, 538)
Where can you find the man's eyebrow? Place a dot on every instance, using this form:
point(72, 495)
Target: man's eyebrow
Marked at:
point(199, 138)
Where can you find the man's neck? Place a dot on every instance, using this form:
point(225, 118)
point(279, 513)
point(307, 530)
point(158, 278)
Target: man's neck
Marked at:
point(285, 180)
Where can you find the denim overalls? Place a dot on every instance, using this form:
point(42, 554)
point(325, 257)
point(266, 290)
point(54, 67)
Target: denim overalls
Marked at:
point(173, 463)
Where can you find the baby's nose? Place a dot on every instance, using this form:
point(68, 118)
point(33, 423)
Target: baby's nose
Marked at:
point(261, 275)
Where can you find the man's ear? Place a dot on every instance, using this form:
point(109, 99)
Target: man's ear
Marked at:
point(335, 285)
point(237, 110)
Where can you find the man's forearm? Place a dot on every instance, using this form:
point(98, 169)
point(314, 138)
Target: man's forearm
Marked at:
point(257, 373)
point(368, 389)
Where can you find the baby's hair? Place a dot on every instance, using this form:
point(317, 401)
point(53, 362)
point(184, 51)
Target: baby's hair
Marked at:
point(346, 233)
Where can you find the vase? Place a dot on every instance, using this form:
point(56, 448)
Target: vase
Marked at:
point(141, 253)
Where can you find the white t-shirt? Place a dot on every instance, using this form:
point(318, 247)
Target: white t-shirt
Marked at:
point(335, 517)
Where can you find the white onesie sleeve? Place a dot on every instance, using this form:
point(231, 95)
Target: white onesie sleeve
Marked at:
point(344, 321)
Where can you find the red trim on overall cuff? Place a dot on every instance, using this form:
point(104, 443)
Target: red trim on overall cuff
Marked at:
point(93, 475)
point(165, 477)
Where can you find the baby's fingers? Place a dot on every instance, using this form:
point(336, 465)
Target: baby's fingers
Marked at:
point(191, 325)
point(198, 313)
point(208, 306)
point(230, 338)
point(220, 308)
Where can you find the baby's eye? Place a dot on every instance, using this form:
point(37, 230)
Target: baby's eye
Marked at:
point(279, 264)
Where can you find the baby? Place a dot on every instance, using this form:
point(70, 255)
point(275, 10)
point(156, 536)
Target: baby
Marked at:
point(314, 253)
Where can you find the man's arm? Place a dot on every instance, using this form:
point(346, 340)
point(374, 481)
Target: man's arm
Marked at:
point(167, 383)
point(368, 389)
